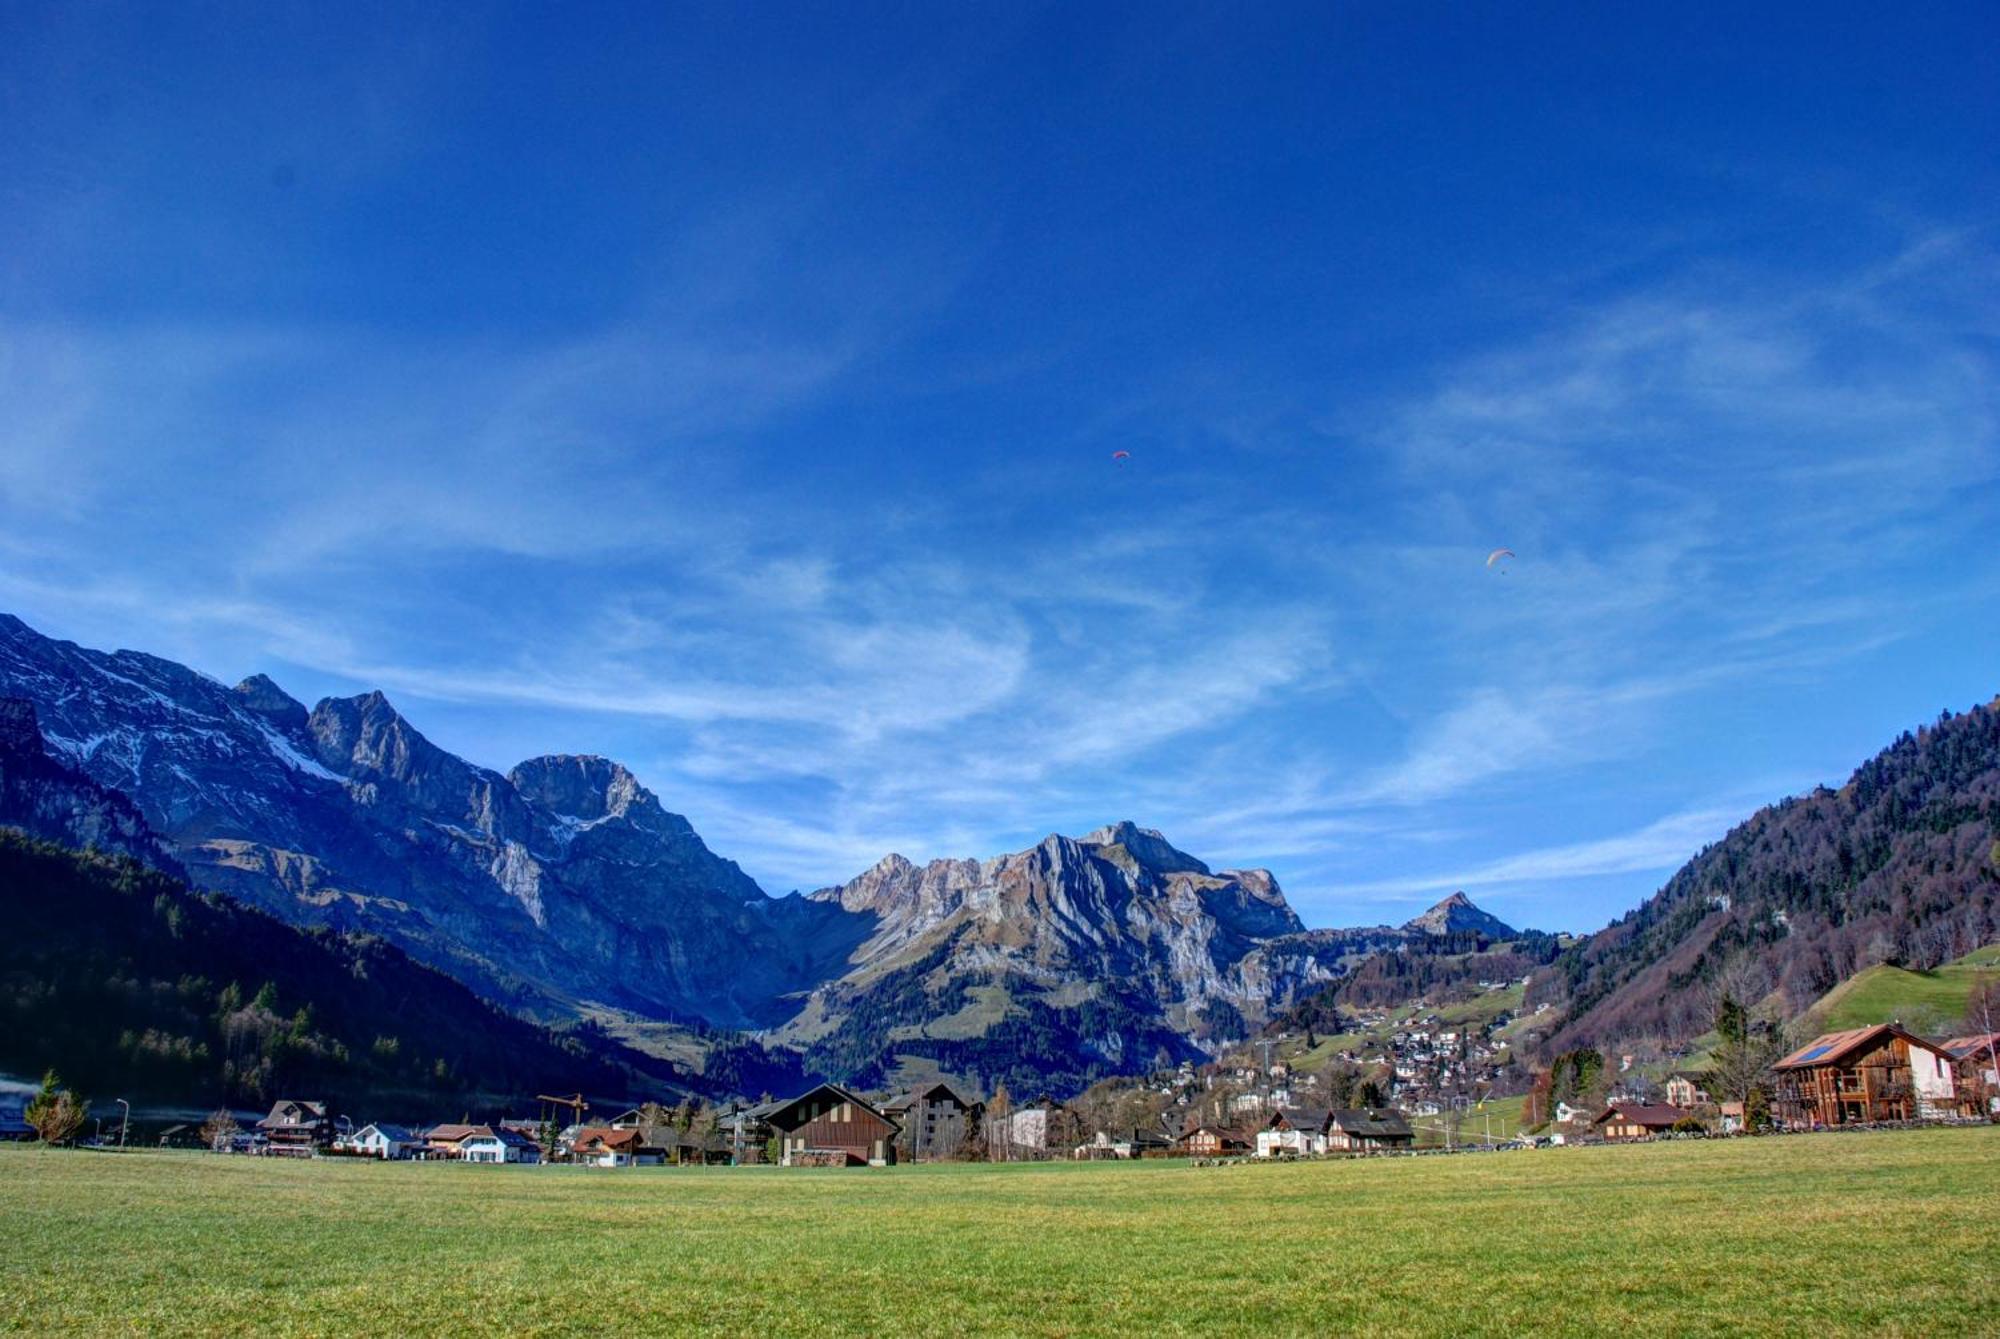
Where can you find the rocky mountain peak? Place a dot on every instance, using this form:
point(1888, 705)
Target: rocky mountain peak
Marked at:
point(366, 734)
point(1148, 846)
point(1456, 915)
point(264, 698)
point(580, 786)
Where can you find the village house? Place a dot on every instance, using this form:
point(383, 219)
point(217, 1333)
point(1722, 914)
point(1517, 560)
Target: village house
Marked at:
point(935, 1120)
point(1880, 1073)
point(296, 1129)
point(605, 1146)
point(1105, 1145)
point(441, 1142)
point(495, 1146)
point(1977, 1075)
point(831, 1127)
point(746, 1132)
point(1623, 1122)
point(1034, 1130)
point(1368, 1131)
point(1685, 1090)
point(392, 1143)
point(1213, 1141)
point(1298, 1132)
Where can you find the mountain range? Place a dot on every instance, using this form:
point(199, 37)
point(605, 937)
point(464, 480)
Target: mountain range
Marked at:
point(563, 889)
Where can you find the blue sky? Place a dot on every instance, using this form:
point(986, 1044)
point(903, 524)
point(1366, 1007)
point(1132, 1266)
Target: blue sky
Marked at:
point(732, 391)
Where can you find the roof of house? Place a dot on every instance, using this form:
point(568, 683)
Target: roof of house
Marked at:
point(1375, 1122)
point(604, 1136)
point(936, 1092)
point(1978, 1043)
point(395, 1134)
point(1830, 1048)
point(1226, 1133)
point(1651, 1115)
point(288, 1112)
point(1299, 1118)
point(782, 1115)
point(452, 1134)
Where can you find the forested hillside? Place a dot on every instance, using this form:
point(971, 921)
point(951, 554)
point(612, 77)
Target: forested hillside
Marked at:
point(1901, 865)
point(126, 981)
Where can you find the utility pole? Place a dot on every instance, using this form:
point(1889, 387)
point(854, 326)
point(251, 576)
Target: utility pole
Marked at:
point(124, 1121)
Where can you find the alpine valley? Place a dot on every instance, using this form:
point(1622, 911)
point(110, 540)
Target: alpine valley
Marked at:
point(563, 892)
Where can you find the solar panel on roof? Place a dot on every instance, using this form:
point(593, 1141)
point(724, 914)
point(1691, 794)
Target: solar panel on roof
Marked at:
point(1814, 1054)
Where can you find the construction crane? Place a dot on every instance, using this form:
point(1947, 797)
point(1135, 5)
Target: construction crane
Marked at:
point(577, 1106)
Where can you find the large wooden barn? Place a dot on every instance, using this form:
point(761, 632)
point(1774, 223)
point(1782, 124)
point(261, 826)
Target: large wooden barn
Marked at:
point(831, 1127)
point(1880, 1073)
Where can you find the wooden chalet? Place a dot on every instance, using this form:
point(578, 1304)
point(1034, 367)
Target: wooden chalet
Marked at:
point(1623, 1122)
point(296, 1129)
point(831, 1127)
point(1880, 1073)
point(935, 1120)
point(1977, 1072)
point(1368, 1130)
point(1213, 1141)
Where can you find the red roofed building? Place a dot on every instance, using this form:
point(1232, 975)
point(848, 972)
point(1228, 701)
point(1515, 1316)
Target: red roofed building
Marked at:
point(1880, 1073)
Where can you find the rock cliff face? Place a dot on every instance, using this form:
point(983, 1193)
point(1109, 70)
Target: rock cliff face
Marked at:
point(564, 885)
point(1115, 949)
point(560, 885)
point(45, 798)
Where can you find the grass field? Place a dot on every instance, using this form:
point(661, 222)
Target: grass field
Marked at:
point(1928, 1002)
point(1849, 1234)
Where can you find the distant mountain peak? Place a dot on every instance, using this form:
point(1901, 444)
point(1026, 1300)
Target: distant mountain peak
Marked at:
point(1456, 915)
point(1148, 846)
point(581, 786)
point(263, 697)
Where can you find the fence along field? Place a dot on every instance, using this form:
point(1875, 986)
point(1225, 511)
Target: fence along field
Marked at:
point(1867, 1233)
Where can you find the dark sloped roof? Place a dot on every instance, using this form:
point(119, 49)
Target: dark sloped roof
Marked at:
point(1377, 1123)
point(1653, 1115)
point(783, 1116)
point(1300, 1118)
point(935, 1092)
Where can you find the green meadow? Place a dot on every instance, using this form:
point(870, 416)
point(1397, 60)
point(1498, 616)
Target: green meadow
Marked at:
point(1883, 1233)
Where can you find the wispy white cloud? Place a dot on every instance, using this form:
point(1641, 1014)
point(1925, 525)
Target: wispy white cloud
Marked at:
point(1664, 844)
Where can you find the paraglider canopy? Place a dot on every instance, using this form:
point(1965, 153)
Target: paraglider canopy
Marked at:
point(1497, 555)
point(1121, 455)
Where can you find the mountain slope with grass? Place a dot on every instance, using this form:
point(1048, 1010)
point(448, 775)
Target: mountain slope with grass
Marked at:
point(1900, 867)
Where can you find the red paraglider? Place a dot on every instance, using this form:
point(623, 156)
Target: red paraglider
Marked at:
point(1121, 455)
